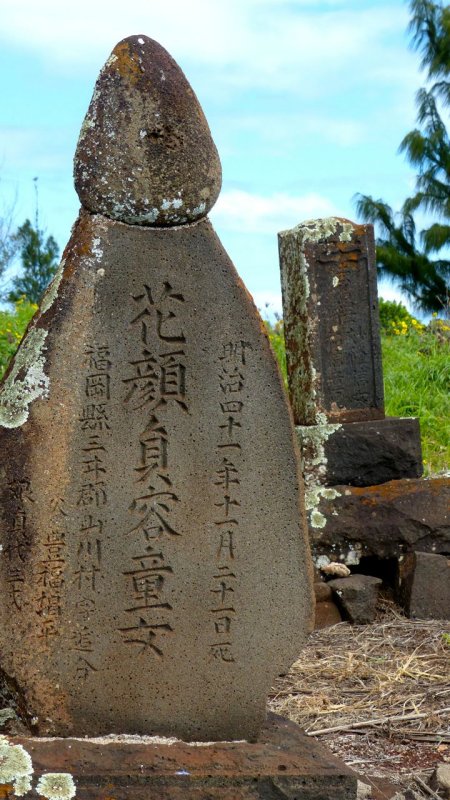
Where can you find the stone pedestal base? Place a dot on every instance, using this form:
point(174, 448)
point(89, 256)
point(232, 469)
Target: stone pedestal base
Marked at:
point(284, 763)
point(361, 453)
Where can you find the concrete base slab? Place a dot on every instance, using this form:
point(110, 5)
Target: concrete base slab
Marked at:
point(284, 763)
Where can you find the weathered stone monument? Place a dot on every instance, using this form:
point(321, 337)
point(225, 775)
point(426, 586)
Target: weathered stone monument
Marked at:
point(361, 469)
point(154, 566)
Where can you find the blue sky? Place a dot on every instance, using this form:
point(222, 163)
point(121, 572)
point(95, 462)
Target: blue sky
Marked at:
point(307, 101)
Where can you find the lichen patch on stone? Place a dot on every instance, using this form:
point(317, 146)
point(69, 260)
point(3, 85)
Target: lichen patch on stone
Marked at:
point(15, 766)
point(26, 382)
point(56, 786)
point(51, 292)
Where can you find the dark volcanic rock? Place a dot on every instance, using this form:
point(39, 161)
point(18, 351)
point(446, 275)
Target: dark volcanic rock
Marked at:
point(362, 453)
point(383, 521)
point(357, 596)
point(425, 585)
point(145, 154)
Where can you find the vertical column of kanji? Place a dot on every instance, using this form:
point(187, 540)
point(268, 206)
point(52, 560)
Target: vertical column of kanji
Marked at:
point(224, 583)
point(92, 502)
point(156, 378)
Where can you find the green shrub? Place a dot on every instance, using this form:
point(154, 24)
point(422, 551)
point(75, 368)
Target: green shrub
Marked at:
point(12, 328)
point(395, 319)
point(276, 335)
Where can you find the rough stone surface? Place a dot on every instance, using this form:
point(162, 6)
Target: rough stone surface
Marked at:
point(322, 592)
point(154, 571)
point(383, 521)
point(361, 453)
point(425, 585)
point(357, 596)
point(331, 326)
point(145, 154)
point(326, 614)
point(440, 780)
point(284, 763)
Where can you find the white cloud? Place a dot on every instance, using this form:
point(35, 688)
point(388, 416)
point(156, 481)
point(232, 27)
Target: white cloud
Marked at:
point(258, 43)
point(242, 211)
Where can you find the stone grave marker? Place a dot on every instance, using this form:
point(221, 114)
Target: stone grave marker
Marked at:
point(333, 353)
point(331, 322)
point(154, 567)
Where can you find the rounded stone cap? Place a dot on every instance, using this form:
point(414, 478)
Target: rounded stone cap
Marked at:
point(145, 155)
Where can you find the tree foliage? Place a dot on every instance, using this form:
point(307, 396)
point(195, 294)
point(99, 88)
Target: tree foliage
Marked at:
point(412, 259)
point(39, 258)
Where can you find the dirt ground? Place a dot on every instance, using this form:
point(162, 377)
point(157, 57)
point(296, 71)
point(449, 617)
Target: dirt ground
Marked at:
point(378, 696)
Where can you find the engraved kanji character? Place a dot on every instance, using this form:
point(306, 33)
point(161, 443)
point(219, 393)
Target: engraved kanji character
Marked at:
point(222, 624)
point(144, 382)
point(50, 574)
point(85, 576)
point(173, 379)
point(57, 506)
point(222, 590)
point(153, 450)
point(90, 552)
point(165, 330)
point(227, 474)
point(49, 628)
point(16, 581)
point(228, 502)
point(84, 669)
point(232, 406)
point(94, 417)
point(19, 521)
point(229, 434)
point(234, 352)
point(93, 466)
point(231, 382)
point(85, 607)
point(49, 604)
point(90, 527)
point(98, 357)
point(145, 634)
point(92, 494)
point(226, 545)
point(94, 444)
point(153, 510)
point(21, 490)
point(97, 385)
point(81, 639)
point(148, 581)
point(222, 652)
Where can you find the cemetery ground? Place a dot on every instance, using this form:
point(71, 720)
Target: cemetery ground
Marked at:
point(378, 696)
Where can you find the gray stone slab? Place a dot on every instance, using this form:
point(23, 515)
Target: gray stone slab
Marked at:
point(155, 573)
point(331, 326)
point(154, 562)
point(361, 453)
point(357, 596)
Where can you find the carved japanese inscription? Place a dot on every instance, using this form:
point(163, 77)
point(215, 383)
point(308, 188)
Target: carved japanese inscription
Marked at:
point(153, 558)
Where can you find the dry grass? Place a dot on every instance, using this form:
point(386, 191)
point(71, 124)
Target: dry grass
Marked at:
point(378, 695)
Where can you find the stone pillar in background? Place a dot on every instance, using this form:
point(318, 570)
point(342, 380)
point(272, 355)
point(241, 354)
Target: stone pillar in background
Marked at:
point(331, 326)
point(333, 352)
point(154, 571)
